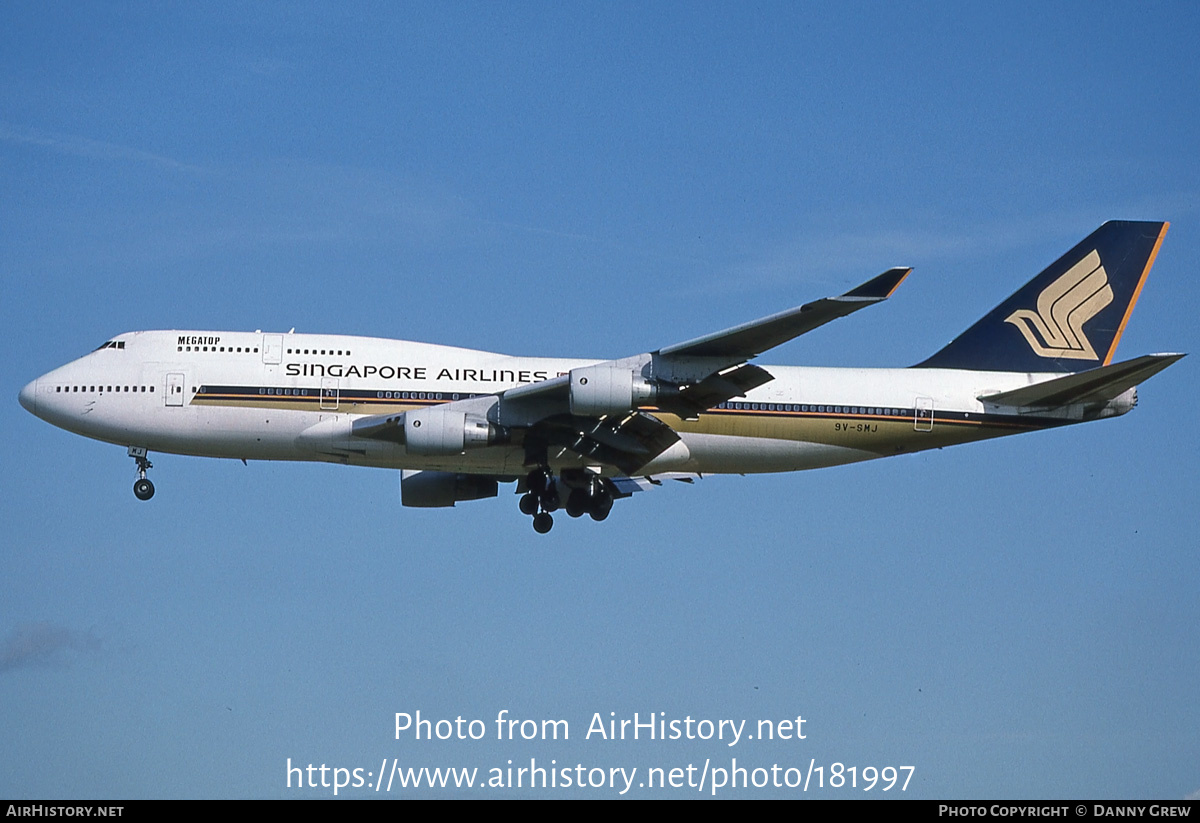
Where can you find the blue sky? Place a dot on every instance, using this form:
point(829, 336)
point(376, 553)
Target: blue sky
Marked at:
point(1015, 618)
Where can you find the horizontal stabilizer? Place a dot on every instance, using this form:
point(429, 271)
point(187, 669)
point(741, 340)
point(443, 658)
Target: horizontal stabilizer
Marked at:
point(752, 339)
point(1097, 386)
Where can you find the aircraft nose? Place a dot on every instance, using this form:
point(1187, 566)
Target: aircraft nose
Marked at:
point(28, 397)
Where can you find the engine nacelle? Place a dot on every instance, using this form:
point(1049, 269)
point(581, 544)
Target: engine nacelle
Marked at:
point(439, 431)
point(429, 490)
point(604, 389)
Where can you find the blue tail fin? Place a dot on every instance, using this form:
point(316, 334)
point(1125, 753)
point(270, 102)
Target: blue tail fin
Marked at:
point(1070, 317)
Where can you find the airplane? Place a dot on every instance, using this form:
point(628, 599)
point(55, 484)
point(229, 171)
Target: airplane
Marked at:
point(579, 434)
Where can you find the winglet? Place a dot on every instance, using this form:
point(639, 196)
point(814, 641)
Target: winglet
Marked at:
point(881, 287)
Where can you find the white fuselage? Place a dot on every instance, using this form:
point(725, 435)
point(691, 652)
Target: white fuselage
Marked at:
point(261, 396)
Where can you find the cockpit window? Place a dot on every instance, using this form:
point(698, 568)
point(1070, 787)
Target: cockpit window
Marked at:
point(111, 344)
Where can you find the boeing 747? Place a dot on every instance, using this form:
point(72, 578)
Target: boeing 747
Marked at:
point(579, 434)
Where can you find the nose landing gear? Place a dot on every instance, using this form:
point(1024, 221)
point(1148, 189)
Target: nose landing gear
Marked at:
point(143, 489)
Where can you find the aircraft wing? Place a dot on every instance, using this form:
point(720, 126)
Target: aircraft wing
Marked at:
point(707, 360)
point(687, 402)
point(628, 442)
point(627, 486)
point(603, 412)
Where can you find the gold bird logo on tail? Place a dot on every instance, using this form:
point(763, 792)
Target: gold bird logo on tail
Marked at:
point(1062, 309)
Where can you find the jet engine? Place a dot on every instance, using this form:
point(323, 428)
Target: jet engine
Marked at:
point(428, 489)
point(604, 389)
point(438, 431)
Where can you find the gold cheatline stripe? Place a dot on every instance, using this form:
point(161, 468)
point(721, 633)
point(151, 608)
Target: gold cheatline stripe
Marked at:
point(903, 418)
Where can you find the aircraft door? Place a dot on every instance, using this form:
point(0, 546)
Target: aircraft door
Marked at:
point(173, 396)
point(923, 414)
point(272, 349)
point(329, 394)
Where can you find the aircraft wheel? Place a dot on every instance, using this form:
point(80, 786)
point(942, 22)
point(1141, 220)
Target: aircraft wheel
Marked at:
point(600, 506)
point(143, 489)
point(528, 504)
point(550, 501)
point(542, 523)
point(577, 502)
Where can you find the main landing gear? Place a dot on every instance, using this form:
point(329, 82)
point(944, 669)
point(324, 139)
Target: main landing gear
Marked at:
point(593, 499)
point(589, 495)
point(543, 494)
point(143, 489)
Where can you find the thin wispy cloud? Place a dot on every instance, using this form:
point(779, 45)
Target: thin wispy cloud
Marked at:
point(78, 146)
point(43, 643)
